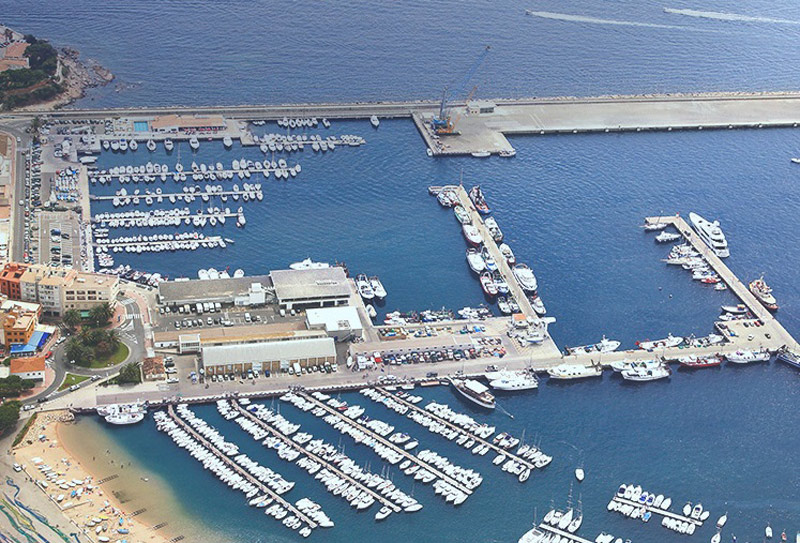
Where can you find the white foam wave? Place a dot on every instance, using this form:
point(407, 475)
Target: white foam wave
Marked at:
point(595, 20)
point(729, 16)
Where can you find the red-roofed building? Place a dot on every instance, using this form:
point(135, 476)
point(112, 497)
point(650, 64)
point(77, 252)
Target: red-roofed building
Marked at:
point(31, 367)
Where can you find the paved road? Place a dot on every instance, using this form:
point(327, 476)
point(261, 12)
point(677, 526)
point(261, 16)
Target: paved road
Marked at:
point(131, 332)
point(17, 130)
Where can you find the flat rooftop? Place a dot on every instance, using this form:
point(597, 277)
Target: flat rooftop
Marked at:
point(310, 284)
point(232, 334)
point(207, 290)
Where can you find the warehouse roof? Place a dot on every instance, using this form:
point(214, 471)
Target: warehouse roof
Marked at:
point(310, 284)
point(268, 351)
point(207, 290)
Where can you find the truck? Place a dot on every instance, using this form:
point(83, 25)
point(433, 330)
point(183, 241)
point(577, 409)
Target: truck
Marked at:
point(218, 306)
point(199, 308)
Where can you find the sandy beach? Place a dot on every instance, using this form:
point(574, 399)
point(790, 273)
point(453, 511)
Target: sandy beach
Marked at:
point(82, 498)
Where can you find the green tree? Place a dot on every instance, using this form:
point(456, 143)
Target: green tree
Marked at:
point(9, 415)
point(130, 373)
point(72, 318)
point(13, 386)
point(76, 350)
point(101, 314)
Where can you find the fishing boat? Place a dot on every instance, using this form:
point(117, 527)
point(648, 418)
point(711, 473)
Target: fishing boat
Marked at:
point(309, 264)
point(481, 154)
point(574, 371)
point(624, 365)
point(538, 305)
point(693, 361)
point(669, 341)
point(475, 260)
point(654, 226)
point(374, 121)
point(487, 284)
point(711, 234)
point(525, 277)
point(377, 287)
point(667, 237)
point(194, 143)
point(789, 357)
point(462, 214)
point(763, 292)
point(124, 418)
point(508, 254)
point(472, 235)
point(478, 200)
point(364, 287)
point(494, 229)
point(743, 356)
point(605, 345)
point(639, 374)
point(474, 392)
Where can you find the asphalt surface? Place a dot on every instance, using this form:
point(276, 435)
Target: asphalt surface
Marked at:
point(17, 130)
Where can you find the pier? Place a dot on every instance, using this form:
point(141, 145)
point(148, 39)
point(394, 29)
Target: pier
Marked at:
point(385, 442)
point(112, 243)
point(486, 131)
point(781, 336)
point(238, 469)
point(204, 195)
point(461, 431)
point(330, 467)
point(500, 260)
point(565, 536)
point(224, 174)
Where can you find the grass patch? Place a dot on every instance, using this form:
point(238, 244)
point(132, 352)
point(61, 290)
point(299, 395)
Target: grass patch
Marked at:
point(72, 379)
point(116, 357)
point(21, 435)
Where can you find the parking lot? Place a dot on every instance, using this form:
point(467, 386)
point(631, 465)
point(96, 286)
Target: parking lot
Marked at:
point(189, 318)
point(58, 238)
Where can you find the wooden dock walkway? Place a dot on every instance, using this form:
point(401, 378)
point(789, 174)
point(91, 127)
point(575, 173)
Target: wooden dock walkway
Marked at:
point(238, 469)
point(499, 450)
point(383, 441)
point(659, 511)
point(330, 467)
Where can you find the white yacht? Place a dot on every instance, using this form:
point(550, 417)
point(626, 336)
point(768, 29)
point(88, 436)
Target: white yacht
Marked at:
point(515, 381)
point(534, 535)
point(194, 143)
point(377, 287)
point(168, 145)
point(364, 287)
point(374, 121)
point(151, 145)
point(227, 142)
point(711, 234)
point(525, 277)
point(745, 357)
point(308, 264)
point(667, 342)
point(574, 371)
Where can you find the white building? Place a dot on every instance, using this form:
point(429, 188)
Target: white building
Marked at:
point(341, 323)
point(240, 358)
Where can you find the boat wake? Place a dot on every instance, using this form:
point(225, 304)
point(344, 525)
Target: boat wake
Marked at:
point(595, 20)
point(729, 16)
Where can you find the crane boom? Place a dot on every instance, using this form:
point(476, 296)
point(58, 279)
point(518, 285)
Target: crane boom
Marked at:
point(443, 124)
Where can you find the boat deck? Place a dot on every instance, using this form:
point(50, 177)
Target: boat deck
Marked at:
point(565, 535)
point(293, 444)
point(238, 469)
point(460, 430)
point(383, 441)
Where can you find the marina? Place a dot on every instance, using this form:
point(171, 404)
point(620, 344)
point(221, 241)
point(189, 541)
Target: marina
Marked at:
point(263, 489)
point(474, 439)
point(391, 505)
point(398, 452)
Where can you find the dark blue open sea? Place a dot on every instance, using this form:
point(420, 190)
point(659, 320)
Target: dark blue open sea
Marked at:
point(569, 206)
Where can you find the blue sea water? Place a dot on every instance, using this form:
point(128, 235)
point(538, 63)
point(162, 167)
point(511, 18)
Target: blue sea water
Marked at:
point(569, 205)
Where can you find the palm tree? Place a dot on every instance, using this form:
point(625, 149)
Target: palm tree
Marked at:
point(101, 314)
point(72, 318)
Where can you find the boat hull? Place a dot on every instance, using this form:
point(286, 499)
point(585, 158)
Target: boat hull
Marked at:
point(474, 400)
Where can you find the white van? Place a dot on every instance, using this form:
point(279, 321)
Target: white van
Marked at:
point(247, 317)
